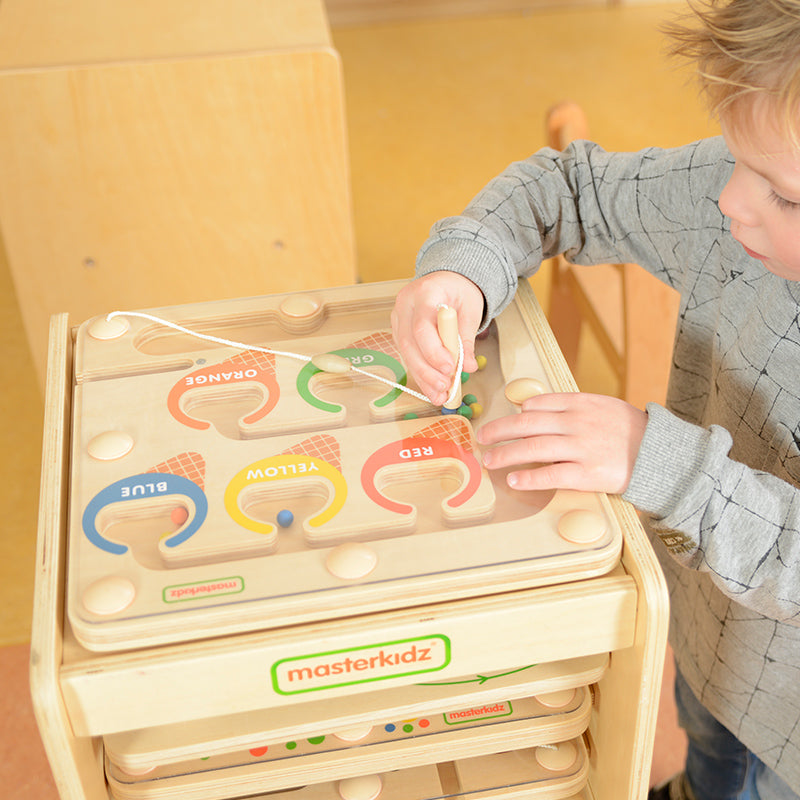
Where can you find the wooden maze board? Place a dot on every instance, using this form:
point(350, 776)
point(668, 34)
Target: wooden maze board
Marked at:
point(535, 727)
point(548, 771)
point(187, 456)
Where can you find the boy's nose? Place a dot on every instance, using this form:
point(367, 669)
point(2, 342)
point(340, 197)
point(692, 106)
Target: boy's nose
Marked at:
point(735, 201)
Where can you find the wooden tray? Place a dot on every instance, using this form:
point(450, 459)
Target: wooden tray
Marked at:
point(186, 455)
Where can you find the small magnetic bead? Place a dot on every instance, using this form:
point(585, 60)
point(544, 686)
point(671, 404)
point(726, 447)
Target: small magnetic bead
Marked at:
point(481, 362)
point(465, 411)
point(469, 399)
point(285, 518)
point(449, 410)
point(464, 377)
point(179, 515)
point(477, 410)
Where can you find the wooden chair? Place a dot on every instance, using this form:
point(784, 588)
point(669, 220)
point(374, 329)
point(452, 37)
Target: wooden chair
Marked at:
point(631, 314)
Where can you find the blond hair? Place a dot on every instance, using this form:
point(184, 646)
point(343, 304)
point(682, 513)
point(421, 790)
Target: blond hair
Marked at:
point(744, 49)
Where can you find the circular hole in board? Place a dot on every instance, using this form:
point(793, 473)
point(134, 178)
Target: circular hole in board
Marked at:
point(299, 306)
point(300, 313)
point(351, 561)
point(110, 445)
point(109, 595)
point(520, 389)
point(364, 787)
point(354, 734)
point(136, 772)
point(582, 526)
point(104, 329)
point(558, 757)
point(556, 699)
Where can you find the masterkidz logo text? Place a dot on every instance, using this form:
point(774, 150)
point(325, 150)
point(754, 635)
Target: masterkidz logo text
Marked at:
point(361, 665)
point(480, 712)
point(195, 591)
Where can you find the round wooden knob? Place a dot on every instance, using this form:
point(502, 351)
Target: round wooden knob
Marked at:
point(519, 390)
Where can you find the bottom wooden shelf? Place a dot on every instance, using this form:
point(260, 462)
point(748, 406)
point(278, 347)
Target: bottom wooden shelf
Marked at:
point(463, 733)
point(544, 772)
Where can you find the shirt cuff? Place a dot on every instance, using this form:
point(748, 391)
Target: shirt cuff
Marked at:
point(475, 258)
point(668, 463)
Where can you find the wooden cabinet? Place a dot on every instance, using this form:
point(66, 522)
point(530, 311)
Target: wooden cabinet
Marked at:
point(158, 153)
point(485, 648)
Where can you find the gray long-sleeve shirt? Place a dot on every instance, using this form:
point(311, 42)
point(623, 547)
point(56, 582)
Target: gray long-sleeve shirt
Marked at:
point(718, 474)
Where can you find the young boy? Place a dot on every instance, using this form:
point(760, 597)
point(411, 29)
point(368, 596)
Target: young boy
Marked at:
point(716, 472)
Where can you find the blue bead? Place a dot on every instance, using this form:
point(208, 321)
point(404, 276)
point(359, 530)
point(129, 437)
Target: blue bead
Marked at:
point(285, 518)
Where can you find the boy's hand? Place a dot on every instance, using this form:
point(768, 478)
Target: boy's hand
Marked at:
point(567, 441)
point(414, 325)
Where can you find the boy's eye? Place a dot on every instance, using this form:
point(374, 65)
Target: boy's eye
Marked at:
point(782, 202)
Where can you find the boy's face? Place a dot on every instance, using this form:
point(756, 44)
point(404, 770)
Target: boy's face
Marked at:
point(762, 197)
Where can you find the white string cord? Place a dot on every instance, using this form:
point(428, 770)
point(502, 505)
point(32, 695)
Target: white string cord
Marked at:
point(457, 377)
point(242, 346)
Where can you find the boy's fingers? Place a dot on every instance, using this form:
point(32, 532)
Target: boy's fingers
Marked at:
point(562, 475)
point(530, 450)
point(518, 426)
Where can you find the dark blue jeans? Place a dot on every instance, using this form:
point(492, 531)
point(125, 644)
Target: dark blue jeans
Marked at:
point(718, 765)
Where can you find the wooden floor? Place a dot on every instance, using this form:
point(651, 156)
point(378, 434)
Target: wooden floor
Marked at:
point(435, 108)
